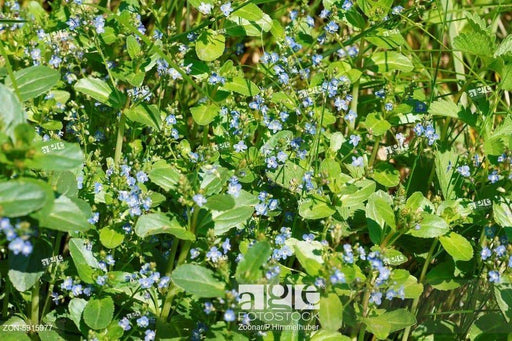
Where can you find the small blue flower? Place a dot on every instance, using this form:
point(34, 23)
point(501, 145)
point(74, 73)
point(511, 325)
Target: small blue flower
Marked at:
point(125, 324)
point(332, 27)
point(99, 24)
point(199, 199)
point(229, 315)
point(494, 276)
point(208, 307)
point(149, 335)
point(226, 9)
point(376, 298)
point(485, 253)
point(143, 321)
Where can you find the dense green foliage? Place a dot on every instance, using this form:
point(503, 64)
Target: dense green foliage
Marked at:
point(158, 158)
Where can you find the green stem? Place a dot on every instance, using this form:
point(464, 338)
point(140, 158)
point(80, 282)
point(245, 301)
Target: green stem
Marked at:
point(414, 305)
point(9, 71)
point(56, 250)
point(185, 248)
point(120, 137)
point(34, 311)
point(374, 153)
point(5, 307)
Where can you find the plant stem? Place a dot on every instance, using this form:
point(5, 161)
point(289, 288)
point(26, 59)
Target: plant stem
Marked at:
point(120, 137)
point(414, 305)
point(9, 71)
point(5, 307)
point(34, 311)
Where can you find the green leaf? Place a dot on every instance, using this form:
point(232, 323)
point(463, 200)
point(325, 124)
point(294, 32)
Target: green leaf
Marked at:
point(505, 48)
point(309, 255)
point(110, 238)
point(56, 156)
point(164, 175)
point(25, 271)
point(457, 246)
point(389, 322)
point(83, 258)
point(242, 86)
point(503, 294)
point(205, 113)
point(445, 108)
point(475, 43)
point(197, 280)
point(133, 47)
point(210, 45)
point(147, 114)
point(98, 313)
point(67, 215)
point(226, 220)
point(417, 201)
point(11, 112)
point(315, 207)
point(387, 39)
point(442, 276)
point(248, 270)
point(19, 198)
point(386, 175)
point(430, 227)
point(100, 91)
point(331, 312)
point(379, 209)
point(288, 175)
point(449, 181)
point(377, 125)
point(76, 307)
point(375, 9)
point(391, 61)
point(502, 214)
point(329, 335)
point(249, 12)
point(34, 81)
point(157, 223)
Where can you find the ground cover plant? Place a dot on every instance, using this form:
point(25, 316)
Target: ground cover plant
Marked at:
point(270, 170)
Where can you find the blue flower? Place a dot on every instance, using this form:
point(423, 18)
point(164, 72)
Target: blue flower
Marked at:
point(55, 61)
point(226, 9)
point(77, 289)
point(73, 23)
point(101, 280)
point(164, 282)
point(376, 298)
point(493, 177)
point(351, 116)
point(485, 253)
point(229, 315)
point(337, 277)
point(494, 276)
point(142, 177)
point(99, 24)
point(208, 307)
point(354, 140)
point(149, 335)
point(199, 199)
point(347, 5)
point(18, 246)
point(143, 321)
point(500, 250)
point(357, 162)
point(125, 324)
point(226, 246)
point(214, 255)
